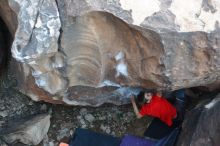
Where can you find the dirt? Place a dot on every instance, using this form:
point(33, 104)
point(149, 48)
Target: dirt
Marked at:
point(108, 118)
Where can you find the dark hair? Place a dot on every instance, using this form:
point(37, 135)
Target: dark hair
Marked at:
point(140, 97)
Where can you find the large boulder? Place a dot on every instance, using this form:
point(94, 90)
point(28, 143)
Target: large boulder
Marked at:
point(87, 52)
point(201, 125)
point(30, 131)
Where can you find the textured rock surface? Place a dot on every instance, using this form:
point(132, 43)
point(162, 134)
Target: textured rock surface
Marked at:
point(5, 43)
point(100, 48)
point(30, 132)
point(8, 15)
point(36, 43)
point(201, 127)
point(191, 59)
point(105, 45)
point(2, 51)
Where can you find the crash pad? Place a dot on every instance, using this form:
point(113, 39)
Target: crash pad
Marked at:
point(86, 137)
point(130, 140)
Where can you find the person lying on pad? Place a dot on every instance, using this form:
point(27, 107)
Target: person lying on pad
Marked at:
point(156, 106)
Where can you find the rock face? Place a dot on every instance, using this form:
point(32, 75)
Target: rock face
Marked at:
point(87, 52)
point(5, 43)
point(201, 126)
point(105, 49)
point(8, 15)
point(2, 51)
point(30, 132)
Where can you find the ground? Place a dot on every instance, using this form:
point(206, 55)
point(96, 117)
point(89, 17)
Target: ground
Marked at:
point(108, 118)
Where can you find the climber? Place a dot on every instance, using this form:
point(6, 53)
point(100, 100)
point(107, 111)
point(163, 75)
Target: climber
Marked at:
point(153, 104)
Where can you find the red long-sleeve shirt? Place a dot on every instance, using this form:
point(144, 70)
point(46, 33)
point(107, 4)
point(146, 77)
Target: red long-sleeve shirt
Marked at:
point(159, 107)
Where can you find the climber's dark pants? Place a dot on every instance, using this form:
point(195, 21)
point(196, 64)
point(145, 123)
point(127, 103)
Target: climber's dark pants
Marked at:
point(180, 103)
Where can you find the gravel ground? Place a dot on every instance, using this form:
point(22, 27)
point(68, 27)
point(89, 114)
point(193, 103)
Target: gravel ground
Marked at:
point(108, 118)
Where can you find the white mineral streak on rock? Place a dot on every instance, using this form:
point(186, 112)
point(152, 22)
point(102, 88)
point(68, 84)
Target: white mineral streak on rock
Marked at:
point(121, 67)
point(58, 61)
point(140, 8)
point(119, 56)
point(39, 23)
point(47, 82)
point(108, 83)
point(73, 102)
point(33, 96)
point(212, 103)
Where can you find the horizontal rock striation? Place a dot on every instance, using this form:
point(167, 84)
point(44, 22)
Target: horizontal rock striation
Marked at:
point(88, 52)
